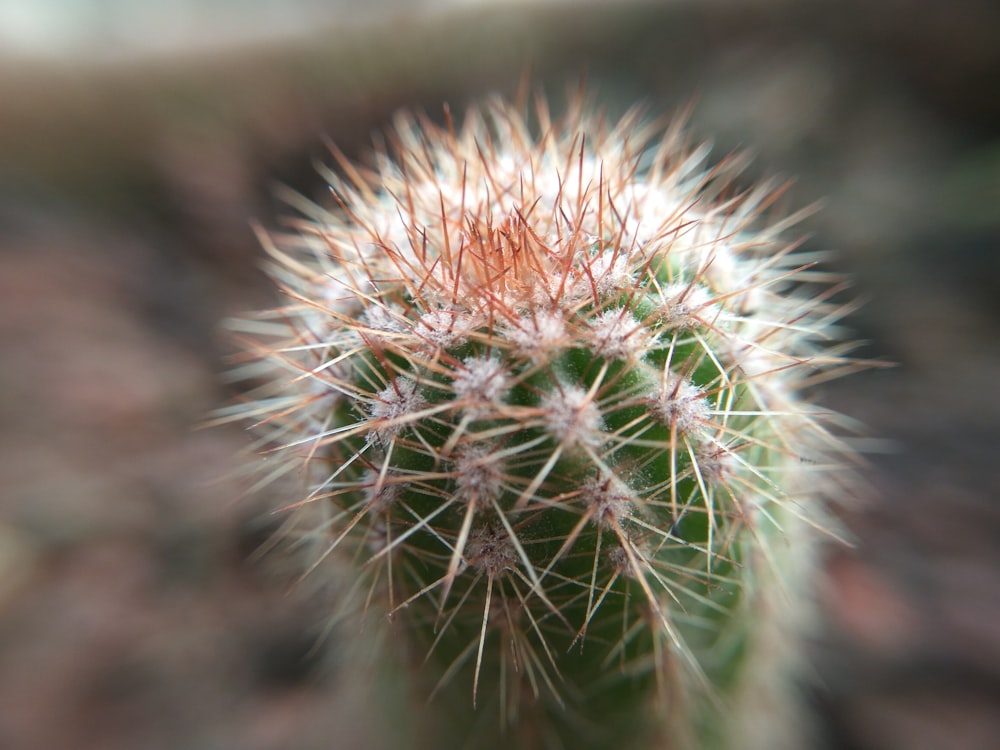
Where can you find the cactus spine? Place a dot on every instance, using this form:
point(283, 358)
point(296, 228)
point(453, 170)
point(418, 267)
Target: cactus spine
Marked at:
point(544, 383)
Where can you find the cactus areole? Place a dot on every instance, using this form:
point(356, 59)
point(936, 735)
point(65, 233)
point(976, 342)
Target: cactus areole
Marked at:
point(544, 383)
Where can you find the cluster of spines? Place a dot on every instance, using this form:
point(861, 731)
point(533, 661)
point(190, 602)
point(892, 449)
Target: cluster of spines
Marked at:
point(546, 393)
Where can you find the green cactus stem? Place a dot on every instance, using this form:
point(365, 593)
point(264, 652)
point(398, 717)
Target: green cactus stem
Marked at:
point(544, 384)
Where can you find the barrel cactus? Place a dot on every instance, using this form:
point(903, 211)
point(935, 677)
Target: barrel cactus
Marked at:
point(543, 381)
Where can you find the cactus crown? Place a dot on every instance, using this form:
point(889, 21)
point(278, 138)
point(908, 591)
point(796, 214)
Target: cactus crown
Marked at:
point(544, 383)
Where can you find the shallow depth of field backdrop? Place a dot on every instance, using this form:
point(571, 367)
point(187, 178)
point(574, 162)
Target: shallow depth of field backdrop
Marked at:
point(140, 140)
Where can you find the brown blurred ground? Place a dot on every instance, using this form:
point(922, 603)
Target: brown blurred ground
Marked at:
point(132, 613)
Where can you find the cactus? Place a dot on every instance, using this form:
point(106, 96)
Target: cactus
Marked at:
point(543, 381)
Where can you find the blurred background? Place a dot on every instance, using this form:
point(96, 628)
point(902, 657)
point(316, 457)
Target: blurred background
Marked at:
point(139, 141)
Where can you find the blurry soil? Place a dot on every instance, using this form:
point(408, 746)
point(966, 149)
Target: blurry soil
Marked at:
point(133, 610)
